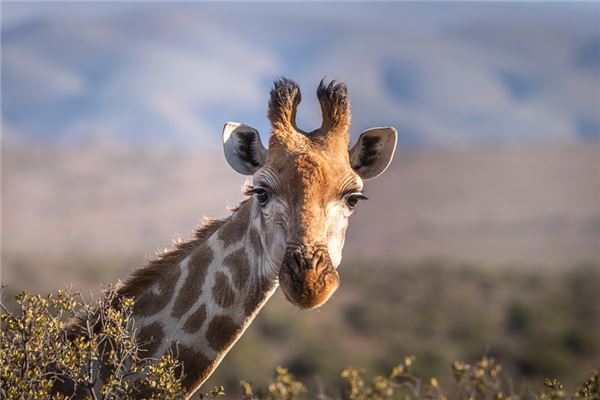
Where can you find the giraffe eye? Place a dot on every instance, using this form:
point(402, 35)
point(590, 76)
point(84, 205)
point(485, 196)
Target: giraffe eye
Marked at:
point(352, 199)
point(261, 195)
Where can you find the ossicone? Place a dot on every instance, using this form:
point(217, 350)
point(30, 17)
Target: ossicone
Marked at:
point(335, 110)
point(285, 97)
point(335, 107)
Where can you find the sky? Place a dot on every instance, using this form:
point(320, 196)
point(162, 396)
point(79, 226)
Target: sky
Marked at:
point(171, 74)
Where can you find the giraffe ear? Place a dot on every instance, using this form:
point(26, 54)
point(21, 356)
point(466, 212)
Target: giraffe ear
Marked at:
point(373, 152)
point(243, 148)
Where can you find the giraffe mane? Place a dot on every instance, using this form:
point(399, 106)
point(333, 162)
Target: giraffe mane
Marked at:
point(146, 276)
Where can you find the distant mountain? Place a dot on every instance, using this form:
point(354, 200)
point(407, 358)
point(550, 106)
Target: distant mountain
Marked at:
point(444, 74)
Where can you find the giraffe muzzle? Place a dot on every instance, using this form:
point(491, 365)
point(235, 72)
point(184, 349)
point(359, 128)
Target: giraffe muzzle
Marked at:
point(308, 278)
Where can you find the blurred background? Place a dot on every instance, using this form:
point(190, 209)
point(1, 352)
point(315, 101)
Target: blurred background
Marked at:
point(484, 234)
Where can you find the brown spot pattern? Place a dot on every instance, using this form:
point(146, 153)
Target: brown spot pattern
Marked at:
point(222, 292)
point(257, 295)
point(237, 262)
point(145, 277)
point(222, 332)
point(150, 337)
point(195, 321)
point(236, 226)
point(150, 303)
point(192, 288)
point(195, 366)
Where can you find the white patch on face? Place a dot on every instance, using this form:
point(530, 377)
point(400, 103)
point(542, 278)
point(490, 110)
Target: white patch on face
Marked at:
point(337, 218)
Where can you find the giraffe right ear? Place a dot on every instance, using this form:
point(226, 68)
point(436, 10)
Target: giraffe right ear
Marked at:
point(243, 148)
point(373, 152)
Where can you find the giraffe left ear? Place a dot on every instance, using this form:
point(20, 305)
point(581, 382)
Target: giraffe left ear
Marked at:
point(243, 148)
point(373, 152)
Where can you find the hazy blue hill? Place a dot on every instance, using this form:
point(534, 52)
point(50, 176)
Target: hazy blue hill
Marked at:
point(443, 74)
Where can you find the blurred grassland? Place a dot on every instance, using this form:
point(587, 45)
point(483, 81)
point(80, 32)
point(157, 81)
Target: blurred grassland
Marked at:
point(537, 206)
point(536, 323)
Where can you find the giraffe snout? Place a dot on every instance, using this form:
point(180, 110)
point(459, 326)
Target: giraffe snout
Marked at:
point(307, 276)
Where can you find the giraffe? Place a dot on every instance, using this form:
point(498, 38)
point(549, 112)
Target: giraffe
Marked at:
point(197, 299)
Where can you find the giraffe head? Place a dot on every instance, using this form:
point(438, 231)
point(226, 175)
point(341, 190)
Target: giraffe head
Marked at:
point(306, 185)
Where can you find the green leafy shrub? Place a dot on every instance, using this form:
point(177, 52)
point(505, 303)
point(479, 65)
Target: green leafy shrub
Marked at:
point(42, 352)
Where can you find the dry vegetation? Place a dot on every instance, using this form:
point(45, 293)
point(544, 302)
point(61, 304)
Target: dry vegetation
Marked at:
point(39, 352)
point(536, 324)
point(483, 380)
point(59, 340)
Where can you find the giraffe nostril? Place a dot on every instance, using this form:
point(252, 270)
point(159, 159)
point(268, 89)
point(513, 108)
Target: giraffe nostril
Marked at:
point(298, 259)
point(318, 259)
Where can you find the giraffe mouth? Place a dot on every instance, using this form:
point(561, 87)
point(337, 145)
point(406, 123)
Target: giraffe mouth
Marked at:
point(309, 281)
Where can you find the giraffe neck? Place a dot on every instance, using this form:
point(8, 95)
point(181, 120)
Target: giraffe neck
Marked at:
point(200, 306)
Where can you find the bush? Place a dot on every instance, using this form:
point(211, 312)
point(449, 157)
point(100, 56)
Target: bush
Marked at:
point(480, 381)
point(43, 353)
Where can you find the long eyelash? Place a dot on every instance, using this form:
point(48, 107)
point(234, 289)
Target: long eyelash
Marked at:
point(355, 192)
point(248, 188)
